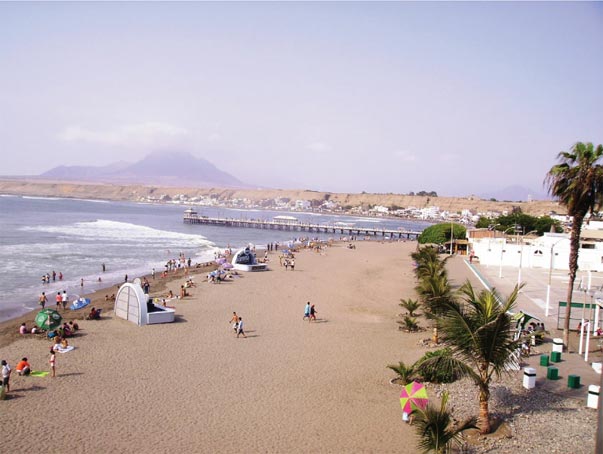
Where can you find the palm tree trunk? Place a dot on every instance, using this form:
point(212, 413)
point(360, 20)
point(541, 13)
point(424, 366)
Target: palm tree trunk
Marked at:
point(484, 412)
point(573, 269)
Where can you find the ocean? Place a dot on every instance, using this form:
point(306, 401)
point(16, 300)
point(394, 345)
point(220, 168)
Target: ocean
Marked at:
point(39, 235)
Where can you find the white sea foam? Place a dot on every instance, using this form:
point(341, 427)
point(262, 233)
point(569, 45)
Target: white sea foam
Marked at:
point(102, 229)
point(32, 197)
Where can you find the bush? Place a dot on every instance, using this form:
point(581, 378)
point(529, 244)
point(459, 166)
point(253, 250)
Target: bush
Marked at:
point(433, 367)
point(410, 305)
point(440, 233)
point(410, 324)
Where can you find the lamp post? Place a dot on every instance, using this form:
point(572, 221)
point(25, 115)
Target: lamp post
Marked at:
point(548, 287)
point(521, 257)
point(451, 235)
point(502, 249)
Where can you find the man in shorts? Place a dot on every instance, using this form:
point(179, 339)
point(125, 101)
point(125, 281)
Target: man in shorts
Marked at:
point(64, 299)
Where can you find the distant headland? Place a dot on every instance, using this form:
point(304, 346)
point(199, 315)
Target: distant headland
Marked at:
point(303, 200)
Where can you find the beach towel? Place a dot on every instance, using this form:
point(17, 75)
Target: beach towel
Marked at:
point(64, 350)
point(38, 373)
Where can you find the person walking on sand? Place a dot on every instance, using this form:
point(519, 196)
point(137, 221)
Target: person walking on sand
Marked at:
point(235, 321)
point(43, 300)
point(313, 313)
point(307, 311)
point(59, 300)
point(52, 362)
point(240, 329)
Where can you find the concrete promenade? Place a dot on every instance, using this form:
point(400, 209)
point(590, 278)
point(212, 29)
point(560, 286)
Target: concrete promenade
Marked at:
point(532, 300)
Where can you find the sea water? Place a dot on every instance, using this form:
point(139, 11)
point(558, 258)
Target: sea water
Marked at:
point(39, 235)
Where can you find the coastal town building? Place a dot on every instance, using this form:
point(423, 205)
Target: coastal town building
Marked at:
point(493, 248)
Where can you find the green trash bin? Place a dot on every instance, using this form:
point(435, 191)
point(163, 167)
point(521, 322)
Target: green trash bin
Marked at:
point(556, 357)
point(544, 360)
point(573, 381)
point(552, 373)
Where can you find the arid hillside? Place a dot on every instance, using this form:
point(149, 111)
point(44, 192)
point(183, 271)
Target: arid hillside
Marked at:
point(139, 192)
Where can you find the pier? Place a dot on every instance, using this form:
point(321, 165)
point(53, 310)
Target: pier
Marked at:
point(191, 217)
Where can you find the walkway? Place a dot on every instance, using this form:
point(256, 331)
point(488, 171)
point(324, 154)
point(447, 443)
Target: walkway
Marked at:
point(532, 300)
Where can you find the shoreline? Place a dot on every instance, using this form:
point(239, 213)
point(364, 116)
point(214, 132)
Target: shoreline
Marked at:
point(9, 328)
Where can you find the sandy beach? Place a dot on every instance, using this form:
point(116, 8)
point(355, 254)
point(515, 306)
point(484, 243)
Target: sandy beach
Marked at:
point(290, 386)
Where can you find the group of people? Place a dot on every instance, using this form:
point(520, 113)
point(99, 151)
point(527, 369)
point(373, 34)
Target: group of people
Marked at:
point(46, 277)
point(237, 325)
point(310, 312)
point(24, 330)
point(23, 368)
point(289, 262)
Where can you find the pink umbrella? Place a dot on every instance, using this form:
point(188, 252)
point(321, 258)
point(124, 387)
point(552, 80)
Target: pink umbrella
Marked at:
point(413, 396)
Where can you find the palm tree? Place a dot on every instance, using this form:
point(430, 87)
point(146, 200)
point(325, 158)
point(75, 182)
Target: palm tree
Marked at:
point(410, 305)
point(435, 294)
point(436, 430)
point(405, 373)
point(577, 182)
point(479, 331)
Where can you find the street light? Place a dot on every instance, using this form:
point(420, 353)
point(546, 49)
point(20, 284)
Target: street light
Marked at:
point(502, 249)
point(548, 287)
point(521, 257)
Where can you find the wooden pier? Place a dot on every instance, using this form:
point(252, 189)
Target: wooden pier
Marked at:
point(191, 217)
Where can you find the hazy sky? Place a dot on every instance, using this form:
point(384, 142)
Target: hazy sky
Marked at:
point(460, 98)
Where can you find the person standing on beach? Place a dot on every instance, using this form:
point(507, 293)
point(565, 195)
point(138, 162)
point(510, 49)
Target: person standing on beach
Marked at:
point(313, 313)
point(126, 278)
point(292, 264)
point(307, 311)
point(104, 268)
point(54, 275)
point(153, 273)
point(240, 329)
point(82, 282)
point(235, 321)
point(64, 299)
point(43, 300)
point(6, 370)
point(59, 300)
point(52, 362)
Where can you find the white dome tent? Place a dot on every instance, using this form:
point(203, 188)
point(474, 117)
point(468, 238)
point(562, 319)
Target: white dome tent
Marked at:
point(132, 304)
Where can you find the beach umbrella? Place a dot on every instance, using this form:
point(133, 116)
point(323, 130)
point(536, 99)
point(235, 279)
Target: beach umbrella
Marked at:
point(48, 319)
point(413, 397)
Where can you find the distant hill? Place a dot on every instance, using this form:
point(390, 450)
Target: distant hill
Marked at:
point(515, 194)
point(160, 168)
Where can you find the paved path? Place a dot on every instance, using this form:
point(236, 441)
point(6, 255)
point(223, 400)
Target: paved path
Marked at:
point(532, 300)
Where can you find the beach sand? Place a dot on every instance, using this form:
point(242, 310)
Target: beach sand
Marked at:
point(290, 386)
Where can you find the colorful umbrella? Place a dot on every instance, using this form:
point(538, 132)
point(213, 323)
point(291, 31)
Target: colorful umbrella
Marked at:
point(48, 319)
point(413, 397)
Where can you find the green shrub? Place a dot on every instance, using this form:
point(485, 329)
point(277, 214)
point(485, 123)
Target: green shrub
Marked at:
point(410, 305)
point(440, 233)
point(434, 367)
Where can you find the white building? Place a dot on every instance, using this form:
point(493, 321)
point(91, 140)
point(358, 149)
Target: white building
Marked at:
point(303, 205)
point(549, 251)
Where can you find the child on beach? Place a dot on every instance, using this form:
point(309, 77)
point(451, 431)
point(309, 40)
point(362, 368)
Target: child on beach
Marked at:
point(52, 361)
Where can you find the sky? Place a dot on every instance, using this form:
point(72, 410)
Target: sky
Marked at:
point(386, 97)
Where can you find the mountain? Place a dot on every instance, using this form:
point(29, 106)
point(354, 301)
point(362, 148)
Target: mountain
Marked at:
point(159, 168)
point(515, 194)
